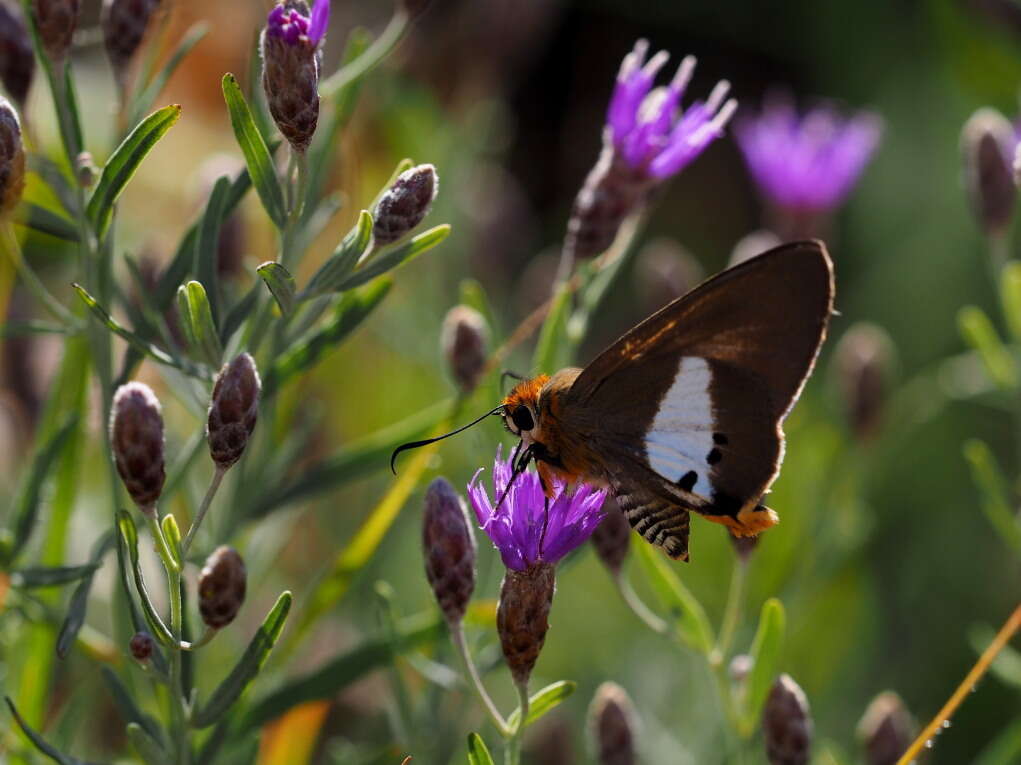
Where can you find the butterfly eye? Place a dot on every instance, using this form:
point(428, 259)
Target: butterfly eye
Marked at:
point(522, 418)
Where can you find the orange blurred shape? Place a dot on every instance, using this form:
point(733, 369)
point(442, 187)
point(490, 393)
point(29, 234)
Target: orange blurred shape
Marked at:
point(291, 739)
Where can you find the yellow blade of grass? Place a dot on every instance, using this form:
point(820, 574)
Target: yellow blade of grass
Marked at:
point(292, 739)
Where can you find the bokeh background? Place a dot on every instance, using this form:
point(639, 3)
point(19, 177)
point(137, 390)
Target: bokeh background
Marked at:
point(883, 559)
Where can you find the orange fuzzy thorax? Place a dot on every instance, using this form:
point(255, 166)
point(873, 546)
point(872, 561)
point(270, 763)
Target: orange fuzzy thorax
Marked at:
point(526, 392)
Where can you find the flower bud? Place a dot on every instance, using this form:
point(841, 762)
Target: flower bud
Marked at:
point(124, 25)
point(612, 538)
point(787, 724)
point(464, 339)
point(449, 549)
point(136, 437)
point(85, 170)
point(863, 359)
point(142, 645)
point(12, 159)
point(290, 68)
point(522, 617)
point(612, 725)
point(233, 410)
point(221, 587)
point(987, 146)
point(740, 667)
point(404, 204)
point(56, 21)
point(17, 59)
point(886, 730)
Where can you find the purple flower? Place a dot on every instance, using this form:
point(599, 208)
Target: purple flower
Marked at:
point(810, 161)
point(516, 528)
point(294, 27)
point(647, 126)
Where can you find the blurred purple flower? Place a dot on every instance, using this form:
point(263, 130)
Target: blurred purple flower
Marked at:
point(648, 128)
point(292, 26)
point(516, 529)
point(809, 161)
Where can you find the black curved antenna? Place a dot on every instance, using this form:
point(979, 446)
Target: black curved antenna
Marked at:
point(427, 441)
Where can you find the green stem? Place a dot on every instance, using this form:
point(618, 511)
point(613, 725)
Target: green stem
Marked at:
point(732, 612)
point(203, 508)
point(12, 248)
point(457, 638)
point(512, 749)
point(635, 603)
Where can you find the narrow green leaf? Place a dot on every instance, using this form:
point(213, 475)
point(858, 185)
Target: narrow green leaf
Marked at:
point(207, 246)
point(395, 257)
point(689, 617)
point(1010, 297)
point(150, 751)
point(144, 347)
point(549, 350)
point(25, 510)
point(47, 576)
point(248, 665)
point(129, 539)
point(765, 654)
point(124, 162)
point(997, 501)
point(129, 710)
point(145, 99)
point(257, 156)
point(478, 753)
point(342, 262)
point(78, 604)
point(280, 283)
point(39, 742)
point(45, 221)
point(172, 533)
point(197, 321)
point(978, 332)
point(1007, 664)
point(543, 701)
point(350, 312)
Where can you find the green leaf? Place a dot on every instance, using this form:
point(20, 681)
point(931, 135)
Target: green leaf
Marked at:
point(45, 221)
point(172, 533)
point(997, 501)
point(765, 654)
point(144, 347)
point(543, 701)
point(26, 507)
point(552, 344)
point(129, 710)
point(124, 162)
point(207, 245)
point(1007, 664)
point(978, 332)
point(280, 283)
point(145, 99)
point(395, 257)
point(151, 752)
point(343, 670)
point(689, 617)
point(129, 540)
point(46, 576)
point(78, 604)
point(1010, 297)
point(197, 321)
point(342, 262)
point(39, 742)
point(478, 753)
point(257, 156)
point(473, 295)
point(350, 312)
point(248, 665)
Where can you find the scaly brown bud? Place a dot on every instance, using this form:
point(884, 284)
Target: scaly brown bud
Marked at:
point(787, 724)
point(233, 410)
point(404, 204)
point(987, 148)
point(464, 339)
point(612, 537)
point(136, 437)
point(863, 359)
point(886, 730)
point(56, 21)
point(222, 583)
point(12, 159)
point(17, 59)
point(124, 25)
point(449, 548)
point(290, 70)
point(522, 618)
point(612, 725)
point(142, 646)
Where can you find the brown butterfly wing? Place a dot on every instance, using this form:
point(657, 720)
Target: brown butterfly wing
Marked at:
point(687, 406)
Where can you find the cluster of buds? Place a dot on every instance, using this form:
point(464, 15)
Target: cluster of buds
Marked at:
point(12, 159)
point(136, 438)
point(221, 587)
point(233, 410)
point(290, 74)
point(988, 144)
point(787, 724)
point(863, 359)
point(405, 204)
point(17, 59)
point(613, 726)
point(464, 340)
point(886, 730)
point(125, 23)
point(56, 21)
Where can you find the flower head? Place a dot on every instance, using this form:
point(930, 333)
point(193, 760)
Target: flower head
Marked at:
point(294, 27)
point(809, 161)
point(516, 528)
point(647, 125)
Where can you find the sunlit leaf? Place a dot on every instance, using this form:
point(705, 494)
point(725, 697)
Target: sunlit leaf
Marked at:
point(129, 541)
point(978, 332)
point(196, 319)
point(543, 701)
point(765, 655)
point(389, 260)
point(478, 752)
point(995, 493)
point(281, 285)
point(686, 612)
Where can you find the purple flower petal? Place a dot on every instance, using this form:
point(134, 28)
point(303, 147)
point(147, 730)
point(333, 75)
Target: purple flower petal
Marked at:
point(320, 21)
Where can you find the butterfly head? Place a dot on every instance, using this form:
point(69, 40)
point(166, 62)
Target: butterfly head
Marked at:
point(521, 409)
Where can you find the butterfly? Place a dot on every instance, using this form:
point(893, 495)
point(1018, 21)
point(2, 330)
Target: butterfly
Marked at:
point(684, 412)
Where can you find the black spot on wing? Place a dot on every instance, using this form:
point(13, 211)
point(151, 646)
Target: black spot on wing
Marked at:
point(719, 438)
point(723, 504)
point(688, 481)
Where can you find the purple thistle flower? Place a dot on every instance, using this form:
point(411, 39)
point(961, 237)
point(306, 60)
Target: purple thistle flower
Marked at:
point(647, 126)
point(294, 27)
point(809, 161)
point(516, 529)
